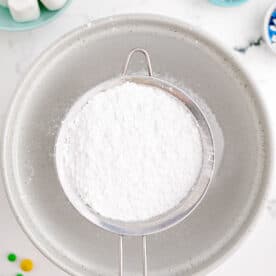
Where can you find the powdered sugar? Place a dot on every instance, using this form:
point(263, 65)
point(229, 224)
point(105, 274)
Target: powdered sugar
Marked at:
point(131, 153)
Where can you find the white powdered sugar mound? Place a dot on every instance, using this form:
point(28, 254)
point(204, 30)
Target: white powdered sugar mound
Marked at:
point(131, 152)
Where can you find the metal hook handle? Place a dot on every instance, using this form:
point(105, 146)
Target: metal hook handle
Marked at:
point(146, 55)
point(121, 257)
point(144, 239)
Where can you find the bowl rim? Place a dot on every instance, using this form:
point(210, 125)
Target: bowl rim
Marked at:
point(212, 42)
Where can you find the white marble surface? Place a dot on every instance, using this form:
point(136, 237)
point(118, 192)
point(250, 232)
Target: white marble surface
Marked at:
point(235, 27)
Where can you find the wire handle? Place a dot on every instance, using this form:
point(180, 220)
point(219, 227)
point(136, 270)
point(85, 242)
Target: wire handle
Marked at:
point(121, 238)
point(147, 57)
point(121, 257)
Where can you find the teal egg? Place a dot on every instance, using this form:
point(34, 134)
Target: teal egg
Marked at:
point(228, 3)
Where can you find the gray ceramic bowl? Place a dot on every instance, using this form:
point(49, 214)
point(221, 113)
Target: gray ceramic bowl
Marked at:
point(96, 53)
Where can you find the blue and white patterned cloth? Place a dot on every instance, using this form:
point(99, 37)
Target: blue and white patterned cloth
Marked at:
point(272, 27)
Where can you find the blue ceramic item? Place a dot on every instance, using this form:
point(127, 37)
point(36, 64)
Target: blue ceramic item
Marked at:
point(269, 29)
point(272, 28)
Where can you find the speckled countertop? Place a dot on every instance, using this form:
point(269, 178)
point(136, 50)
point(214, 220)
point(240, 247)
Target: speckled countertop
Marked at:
point(239, 29)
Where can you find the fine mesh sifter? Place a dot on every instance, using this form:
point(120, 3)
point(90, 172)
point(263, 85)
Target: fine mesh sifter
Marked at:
point(188, 204)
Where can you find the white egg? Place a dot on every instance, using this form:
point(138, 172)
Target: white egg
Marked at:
point(4, 3)
point(53, 4)
point(24, 10)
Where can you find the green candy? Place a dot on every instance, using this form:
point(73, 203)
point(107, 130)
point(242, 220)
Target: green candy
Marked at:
point(12, 257)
